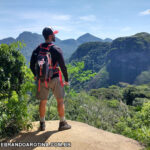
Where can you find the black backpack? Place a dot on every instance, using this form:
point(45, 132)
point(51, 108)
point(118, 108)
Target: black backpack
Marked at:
point(44, 66)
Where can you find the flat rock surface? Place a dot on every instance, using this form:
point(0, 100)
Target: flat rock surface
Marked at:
point(80, 137)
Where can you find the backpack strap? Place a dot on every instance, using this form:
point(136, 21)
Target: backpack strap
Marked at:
point(39, 82)
point(47, 48)
point(55, 65)
point(49, 45)
point(60, 78)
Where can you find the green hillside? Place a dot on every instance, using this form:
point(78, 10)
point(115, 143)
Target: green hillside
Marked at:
point(125, 59)
point(129, 57)
point(93, 54)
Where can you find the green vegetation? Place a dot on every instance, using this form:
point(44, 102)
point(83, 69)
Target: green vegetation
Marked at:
point(77, 76)
point(134, 122)
point(16, 82)
point(93, 54)
point(125, 59)
point(123, 109)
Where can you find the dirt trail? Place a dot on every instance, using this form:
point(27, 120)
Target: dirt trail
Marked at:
point(81, 136)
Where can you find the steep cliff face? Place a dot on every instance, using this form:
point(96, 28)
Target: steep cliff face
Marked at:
point(122, 60)
point(128, 57)
point(92, 53)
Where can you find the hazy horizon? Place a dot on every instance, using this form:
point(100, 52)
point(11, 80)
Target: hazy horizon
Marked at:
point(70, 37)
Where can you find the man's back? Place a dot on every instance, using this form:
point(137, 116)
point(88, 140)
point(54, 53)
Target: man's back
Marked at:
point(57, 57)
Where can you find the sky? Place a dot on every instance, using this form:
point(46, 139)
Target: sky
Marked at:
point(73, 18)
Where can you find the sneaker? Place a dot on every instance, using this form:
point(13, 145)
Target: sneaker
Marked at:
point(42, 126)
point(63, 126)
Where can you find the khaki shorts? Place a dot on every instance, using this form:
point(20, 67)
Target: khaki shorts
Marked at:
point(55, 86)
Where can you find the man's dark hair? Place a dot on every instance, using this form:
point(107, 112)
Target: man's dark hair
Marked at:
point(46, 32)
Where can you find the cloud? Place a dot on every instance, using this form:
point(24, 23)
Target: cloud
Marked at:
point(45, 15)
point(88, 18)
point(87, 7)
point(64, 28)
point(146, 12)
point(36, 20)
point(126, 29)
point(61, 17)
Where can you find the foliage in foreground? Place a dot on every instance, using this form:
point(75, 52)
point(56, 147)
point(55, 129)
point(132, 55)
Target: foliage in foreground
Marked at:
point(16, 81)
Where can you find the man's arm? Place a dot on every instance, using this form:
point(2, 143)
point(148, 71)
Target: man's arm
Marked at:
point(62, 65)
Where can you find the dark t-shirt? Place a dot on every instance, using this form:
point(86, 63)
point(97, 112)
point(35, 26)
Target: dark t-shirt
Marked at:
point(57, 56)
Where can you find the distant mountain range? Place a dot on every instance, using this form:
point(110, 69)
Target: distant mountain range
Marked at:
point(32, 40)
point(123, 60)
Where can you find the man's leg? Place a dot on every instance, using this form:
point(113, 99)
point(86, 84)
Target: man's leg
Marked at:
point(61, 109)
point(42, 110)
point(63, 125)
point(59, 94)
point(42, 96)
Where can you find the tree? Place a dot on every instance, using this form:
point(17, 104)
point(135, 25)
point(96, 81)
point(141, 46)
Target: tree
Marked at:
point(16, 82)
point(77, 77)
point(11, 64)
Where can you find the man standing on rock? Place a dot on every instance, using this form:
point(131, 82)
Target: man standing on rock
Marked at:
point(44, 63)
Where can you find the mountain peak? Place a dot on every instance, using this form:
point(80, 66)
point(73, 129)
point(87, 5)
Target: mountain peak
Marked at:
point(27, 34)
point(107, 40)
point(87, 37)
point(87, 34)
point(142, 34)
